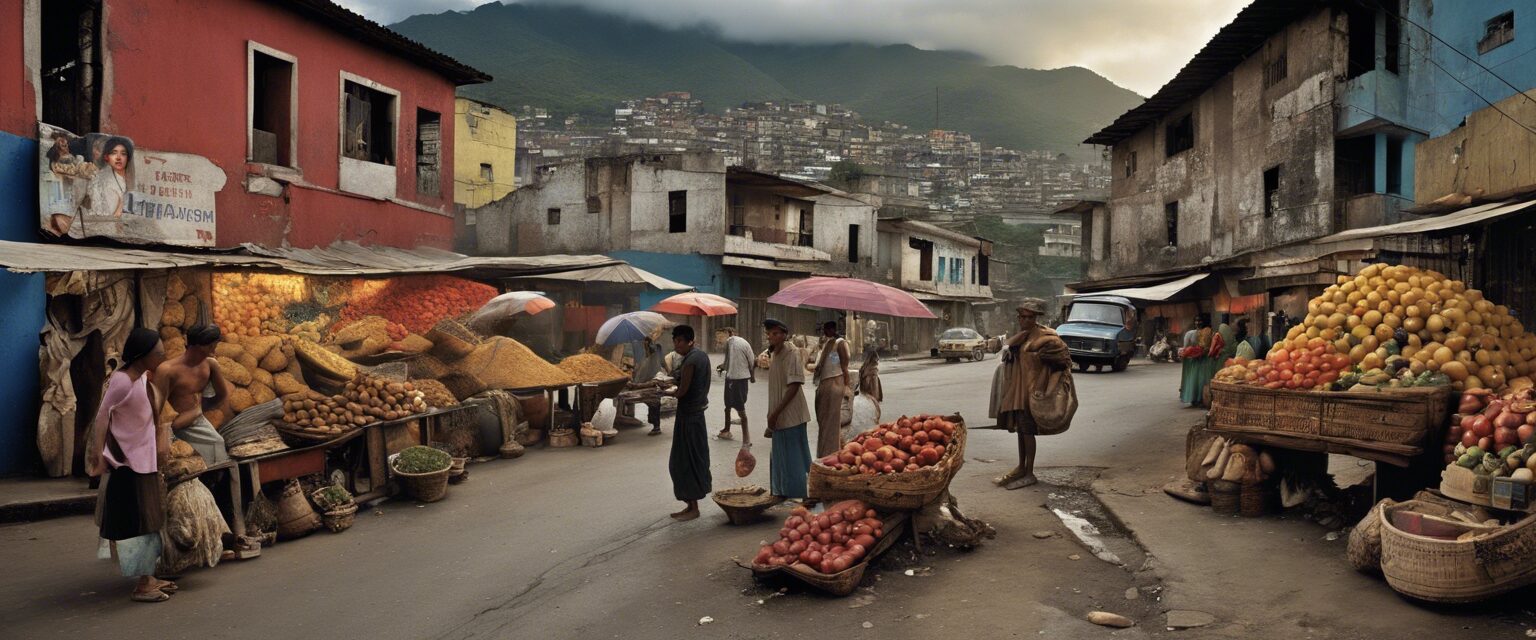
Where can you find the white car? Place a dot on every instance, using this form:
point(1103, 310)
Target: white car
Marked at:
point(961, 343)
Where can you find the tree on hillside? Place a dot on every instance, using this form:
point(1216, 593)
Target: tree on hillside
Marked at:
point(844, 174)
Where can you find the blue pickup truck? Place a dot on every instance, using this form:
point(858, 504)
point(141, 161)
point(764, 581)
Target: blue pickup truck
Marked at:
point(1096, 334)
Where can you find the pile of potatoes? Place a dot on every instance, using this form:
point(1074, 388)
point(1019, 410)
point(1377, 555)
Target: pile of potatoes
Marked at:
point(366, 399)
point(1434, 322)
point(183, 307)
point(258, 370)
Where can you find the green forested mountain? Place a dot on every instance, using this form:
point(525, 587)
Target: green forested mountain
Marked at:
point(574, 60)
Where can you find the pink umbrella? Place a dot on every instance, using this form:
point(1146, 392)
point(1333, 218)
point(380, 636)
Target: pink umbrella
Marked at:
point(851, 294)
point(696, 304)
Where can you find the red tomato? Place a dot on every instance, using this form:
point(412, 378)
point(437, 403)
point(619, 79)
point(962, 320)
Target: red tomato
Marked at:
point(1292, 384)
point(1280, 355)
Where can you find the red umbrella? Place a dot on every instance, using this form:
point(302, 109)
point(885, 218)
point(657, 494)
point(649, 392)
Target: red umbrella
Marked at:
point(851, 294)
point(696, 304)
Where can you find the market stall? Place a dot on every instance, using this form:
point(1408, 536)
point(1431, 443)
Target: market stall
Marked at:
point(1423, 375)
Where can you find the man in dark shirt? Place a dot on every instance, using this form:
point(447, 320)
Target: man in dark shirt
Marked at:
point(689, 463)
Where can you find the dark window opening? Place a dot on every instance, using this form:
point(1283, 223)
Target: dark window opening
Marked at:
point(1180, 136)
point(1354, 162)
point(554, 216)
point(853, 243)
point(271, 110)
point(807, 236)
point(370, 134)
point(982, 269)
point(429, 140)
point(70, 64)
point(1171, 217)
point(738, 215)
point(1497, 32)
point(973, 270)
point(1130, 164)
point(1394, 166)
point(1271, 191)
point(594, 204)
point(1275, 70)
point(1392, 58)
point(1362, 40)
point(677, 211)
point(924, 258)
point(487, 173)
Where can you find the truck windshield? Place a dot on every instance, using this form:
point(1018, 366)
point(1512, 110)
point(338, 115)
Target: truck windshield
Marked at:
point(1096, 312)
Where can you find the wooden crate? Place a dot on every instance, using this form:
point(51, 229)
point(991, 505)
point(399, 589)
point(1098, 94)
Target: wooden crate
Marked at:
point(1388, 425)
point(1395, 416)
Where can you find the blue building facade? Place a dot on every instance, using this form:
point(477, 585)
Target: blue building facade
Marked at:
point(21, 305)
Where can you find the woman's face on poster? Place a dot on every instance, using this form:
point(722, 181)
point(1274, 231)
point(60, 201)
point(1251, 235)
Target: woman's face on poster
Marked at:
point(117, 158)
point(61, 143)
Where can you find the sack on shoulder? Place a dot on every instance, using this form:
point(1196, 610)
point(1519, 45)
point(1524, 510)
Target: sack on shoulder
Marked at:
point(1053, 403)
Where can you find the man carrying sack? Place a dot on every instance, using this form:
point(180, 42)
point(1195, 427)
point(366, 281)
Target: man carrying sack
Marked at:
point(1032, 393)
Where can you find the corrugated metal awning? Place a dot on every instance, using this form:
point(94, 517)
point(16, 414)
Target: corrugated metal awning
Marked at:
point(1469, 215)
point(1154, 293)
point(619, 274)
point(340, 259)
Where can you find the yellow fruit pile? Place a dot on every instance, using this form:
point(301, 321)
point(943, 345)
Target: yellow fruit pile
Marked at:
point(243, 303)
point(1435, 322)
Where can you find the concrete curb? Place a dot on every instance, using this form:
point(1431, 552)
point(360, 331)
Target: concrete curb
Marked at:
point(32, 511)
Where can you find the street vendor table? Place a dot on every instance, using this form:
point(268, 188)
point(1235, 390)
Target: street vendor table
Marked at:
point(1397, 429)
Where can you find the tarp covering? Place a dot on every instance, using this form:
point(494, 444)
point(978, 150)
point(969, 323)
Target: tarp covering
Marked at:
point(1463, 217)
point(1155, 292)
point(342, 258)
point(619, 273)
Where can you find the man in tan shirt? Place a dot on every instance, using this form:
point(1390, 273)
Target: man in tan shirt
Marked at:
point(790, 460)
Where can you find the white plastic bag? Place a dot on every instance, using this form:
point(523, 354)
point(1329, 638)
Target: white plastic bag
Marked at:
point(603, 419)
point(866, 414)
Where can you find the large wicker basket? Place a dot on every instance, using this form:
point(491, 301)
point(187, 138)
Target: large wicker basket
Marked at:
point(745, 505)
point(341, 518)
point(426, 487)
point(295, 518)
point(846, 581)
point(1443, 570)
point(1226, 497)
point(896, 490)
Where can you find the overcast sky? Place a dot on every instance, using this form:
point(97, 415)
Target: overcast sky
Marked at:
point(1138, 44)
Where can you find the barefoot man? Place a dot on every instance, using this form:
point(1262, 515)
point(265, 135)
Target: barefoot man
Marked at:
point(689, 463)
point(1031, 354)
point(185, 378)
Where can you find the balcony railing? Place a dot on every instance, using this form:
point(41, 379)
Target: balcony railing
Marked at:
point(771, 235)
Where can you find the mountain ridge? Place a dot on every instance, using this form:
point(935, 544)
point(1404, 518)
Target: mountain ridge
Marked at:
point(577, 60)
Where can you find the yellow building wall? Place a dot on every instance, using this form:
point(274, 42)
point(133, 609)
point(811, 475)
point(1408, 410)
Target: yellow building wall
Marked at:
point(485, 138)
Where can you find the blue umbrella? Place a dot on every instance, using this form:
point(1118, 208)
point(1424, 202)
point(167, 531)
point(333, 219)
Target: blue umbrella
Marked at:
point(630, 327)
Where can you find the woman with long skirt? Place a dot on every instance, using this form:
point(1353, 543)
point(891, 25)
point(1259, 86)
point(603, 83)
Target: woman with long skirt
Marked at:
point(128, 446)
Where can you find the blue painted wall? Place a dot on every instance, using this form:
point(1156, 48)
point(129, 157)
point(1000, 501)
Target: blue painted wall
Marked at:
point(700, 271)
point(1445, 86)
point(21, 306)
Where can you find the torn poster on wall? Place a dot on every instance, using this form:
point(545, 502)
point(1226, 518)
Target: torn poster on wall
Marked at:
point(100, 185)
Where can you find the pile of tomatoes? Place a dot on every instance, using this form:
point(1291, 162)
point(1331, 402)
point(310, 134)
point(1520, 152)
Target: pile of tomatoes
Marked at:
point(1314, 367)
point(827, 542)
point(902, 446)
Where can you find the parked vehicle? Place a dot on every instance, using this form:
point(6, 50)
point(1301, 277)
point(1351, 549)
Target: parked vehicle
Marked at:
point(960, 342)
point(1097, 334)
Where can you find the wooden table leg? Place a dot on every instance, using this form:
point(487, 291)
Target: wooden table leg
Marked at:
point(917, 540)
point(377, 459)
point(236, 499)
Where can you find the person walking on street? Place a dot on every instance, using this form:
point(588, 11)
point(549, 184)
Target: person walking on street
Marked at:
point(739, 372)
point(789, 461)
point(831, 387)
point(186, 378)
point(689, 462)
point(128, 445)
point(1031, 355)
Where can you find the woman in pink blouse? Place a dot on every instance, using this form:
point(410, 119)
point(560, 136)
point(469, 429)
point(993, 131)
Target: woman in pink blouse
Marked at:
point(128, 446)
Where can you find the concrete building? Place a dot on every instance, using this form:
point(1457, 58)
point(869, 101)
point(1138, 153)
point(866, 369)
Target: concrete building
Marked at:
point(1063, 240)
point(319, 124)
point(689, 218)
point(947, 270)
point(1296, 121)
point(485, 153)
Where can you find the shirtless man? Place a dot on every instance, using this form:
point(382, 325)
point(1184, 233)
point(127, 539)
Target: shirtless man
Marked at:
point(184, 380)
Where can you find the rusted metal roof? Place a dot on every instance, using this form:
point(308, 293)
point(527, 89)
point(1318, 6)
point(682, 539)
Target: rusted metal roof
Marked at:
point(375, 34)
point(775, 183)
point(1230, 46)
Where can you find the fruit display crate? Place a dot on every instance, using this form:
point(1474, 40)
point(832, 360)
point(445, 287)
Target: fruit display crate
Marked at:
point(1386, 425)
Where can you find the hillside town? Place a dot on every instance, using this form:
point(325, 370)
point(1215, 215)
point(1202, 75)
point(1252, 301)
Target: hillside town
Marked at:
point(346, 347)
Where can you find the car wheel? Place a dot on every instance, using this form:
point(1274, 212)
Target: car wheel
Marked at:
point(1082, 366)
point(1121, 363)
point(978, 354)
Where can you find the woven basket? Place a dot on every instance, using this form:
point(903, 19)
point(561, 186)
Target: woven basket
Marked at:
point(563, 438)
point(1441, 570)
point(1226, 497)
point(295, 518)
point(846, 581)
point(1364, 550)
point(745, 505)
point(1257, 500)
point(340, 519)
point(426, 487)
point(512, 450)
point(895, 490)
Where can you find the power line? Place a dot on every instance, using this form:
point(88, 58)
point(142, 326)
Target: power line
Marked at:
point(1430, 59)
point(1459, 52)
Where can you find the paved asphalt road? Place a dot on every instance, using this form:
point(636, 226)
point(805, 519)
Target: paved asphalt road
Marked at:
point(576, 544)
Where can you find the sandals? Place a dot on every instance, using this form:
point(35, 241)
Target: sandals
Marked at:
point(723, 435)
point(167, 587)
point(150, 596)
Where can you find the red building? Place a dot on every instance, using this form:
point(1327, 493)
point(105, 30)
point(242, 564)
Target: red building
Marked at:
point(326, 125)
